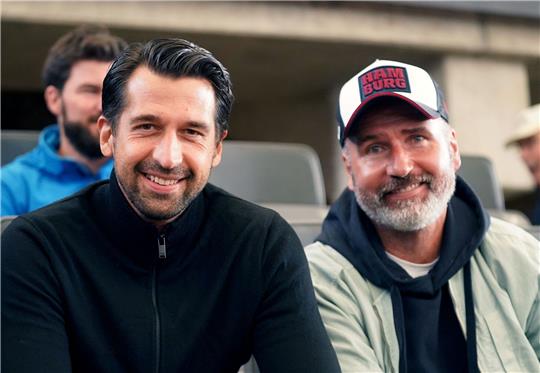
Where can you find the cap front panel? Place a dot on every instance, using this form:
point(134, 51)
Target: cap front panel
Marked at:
point(389, 78)
point(383, 79)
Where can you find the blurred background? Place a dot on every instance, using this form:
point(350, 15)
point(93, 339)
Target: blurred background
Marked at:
point(289, 59)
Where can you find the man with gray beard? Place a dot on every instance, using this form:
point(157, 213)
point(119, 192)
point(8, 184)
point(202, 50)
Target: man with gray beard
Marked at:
point(67, 157)
point(410, 272)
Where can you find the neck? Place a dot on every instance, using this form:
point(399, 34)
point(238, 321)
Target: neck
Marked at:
point(67, 150)
point(420, 246)
point(159, 224)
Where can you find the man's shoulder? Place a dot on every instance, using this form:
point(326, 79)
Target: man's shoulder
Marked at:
point(326, 263)
point(509, 248)
point(64, 212)
point(505, 236)
point(21, 167)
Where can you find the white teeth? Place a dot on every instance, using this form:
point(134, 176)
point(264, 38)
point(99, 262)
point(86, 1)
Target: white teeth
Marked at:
point(409, 187)
point(161, 181)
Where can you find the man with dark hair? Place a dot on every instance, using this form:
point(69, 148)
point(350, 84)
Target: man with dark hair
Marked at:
point(68, 156)
point(410, 273)
point(155, 270)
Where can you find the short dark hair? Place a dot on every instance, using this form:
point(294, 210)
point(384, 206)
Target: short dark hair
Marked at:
point(86, 42)
point(169, 57)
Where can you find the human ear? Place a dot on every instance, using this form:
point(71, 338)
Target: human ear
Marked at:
point(345, 157)
point(105, 136)
point(219, 150)
point(454, 150)
point(53, 100)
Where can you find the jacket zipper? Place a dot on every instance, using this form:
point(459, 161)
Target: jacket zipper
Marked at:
point(162, 248)
point(162, 254)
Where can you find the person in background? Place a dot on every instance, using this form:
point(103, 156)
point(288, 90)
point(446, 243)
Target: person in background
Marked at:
point(155, 269)
point(67, 157)
point(527, 138)
point(411, 274)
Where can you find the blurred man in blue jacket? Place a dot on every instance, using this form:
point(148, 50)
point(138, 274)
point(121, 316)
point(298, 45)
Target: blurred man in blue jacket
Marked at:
point(67, 156)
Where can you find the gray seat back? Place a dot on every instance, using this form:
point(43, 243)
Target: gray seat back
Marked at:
point(17, 142)
point(306, 220)
point(479, 173)
point(5, 220)
point(266, 172)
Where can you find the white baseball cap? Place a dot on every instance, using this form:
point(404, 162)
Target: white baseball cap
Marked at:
point(528, 124)
point(384, 78)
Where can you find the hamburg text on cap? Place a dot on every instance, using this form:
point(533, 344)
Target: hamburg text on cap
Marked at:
point(385, 78)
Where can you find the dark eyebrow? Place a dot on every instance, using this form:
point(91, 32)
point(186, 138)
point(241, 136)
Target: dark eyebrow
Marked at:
point(89, 85)
point(145, 118)
point(156, 119)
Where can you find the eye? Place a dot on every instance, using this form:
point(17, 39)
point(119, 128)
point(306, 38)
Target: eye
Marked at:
point(145, 127)
point(193, 132)
point(374, 149)
point(418, 138)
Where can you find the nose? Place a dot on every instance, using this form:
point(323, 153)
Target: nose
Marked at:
point(168, 152)
point(400, 163)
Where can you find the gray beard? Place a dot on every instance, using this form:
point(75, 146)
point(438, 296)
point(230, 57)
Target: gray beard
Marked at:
point(408, 215)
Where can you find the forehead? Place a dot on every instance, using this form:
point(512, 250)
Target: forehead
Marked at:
point(386, 118)
point(89, 71)
point(170, 96)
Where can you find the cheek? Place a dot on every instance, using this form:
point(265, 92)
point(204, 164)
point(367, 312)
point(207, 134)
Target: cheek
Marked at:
point(438, 160)
point(131, 152)
point(200, 159)
point(367, 175)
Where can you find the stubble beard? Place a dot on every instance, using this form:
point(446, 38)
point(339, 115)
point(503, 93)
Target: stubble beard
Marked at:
point(161, 207)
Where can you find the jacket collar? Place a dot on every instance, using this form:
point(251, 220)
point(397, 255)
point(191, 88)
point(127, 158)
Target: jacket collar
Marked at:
point(137, 238)
point(348, 229)
point(45, 157)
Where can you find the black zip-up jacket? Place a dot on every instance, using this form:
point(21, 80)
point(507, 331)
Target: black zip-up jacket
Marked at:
point(88, 286)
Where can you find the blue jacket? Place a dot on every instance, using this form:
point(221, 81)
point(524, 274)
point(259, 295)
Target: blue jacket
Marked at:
point(41, 176)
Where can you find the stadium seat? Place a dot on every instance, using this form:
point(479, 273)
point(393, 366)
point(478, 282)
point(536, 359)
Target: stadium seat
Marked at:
point(306, 220)
point(17, 142)
point(5, 220)
point(266, 172)
point(479, 173)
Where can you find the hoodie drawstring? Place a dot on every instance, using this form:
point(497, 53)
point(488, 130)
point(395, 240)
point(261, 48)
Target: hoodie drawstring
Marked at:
point(399, 324)
point(472, 360)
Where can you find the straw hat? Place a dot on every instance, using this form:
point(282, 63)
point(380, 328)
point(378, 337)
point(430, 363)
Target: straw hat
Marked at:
point(528, 124)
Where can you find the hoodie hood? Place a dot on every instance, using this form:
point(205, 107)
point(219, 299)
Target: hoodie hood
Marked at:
point(349, 231)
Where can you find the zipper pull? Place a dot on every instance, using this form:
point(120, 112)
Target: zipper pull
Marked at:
point(162, 248)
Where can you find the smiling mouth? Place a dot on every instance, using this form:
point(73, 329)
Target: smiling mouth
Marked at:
point(404, 189)
point(160, 181)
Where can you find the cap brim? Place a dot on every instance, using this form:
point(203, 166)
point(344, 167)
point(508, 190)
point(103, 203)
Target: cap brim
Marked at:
point(426, 111)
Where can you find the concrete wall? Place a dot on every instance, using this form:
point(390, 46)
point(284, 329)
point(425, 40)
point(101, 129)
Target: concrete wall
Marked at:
point(288, 60)
point(483, 97)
